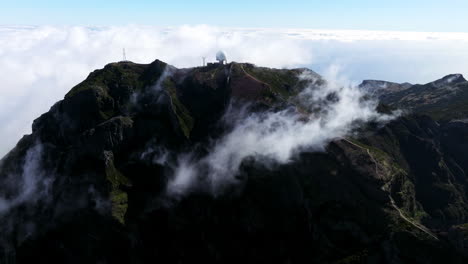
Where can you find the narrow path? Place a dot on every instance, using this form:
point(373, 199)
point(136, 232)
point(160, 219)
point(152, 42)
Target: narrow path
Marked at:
point(392, 201)
point(417, 225)
point(254, 78)
point(368, 153)
point(262, 82)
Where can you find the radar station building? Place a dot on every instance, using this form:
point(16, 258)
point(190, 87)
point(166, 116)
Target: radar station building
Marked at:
point(220, 58)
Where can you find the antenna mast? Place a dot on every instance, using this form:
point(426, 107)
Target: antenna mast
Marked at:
point(204, 58)
point(124, 55)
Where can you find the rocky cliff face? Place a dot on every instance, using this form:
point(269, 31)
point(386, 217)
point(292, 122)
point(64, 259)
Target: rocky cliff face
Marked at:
point(90, 184)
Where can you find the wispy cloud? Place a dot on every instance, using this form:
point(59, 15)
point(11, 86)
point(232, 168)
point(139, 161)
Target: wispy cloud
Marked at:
point(277, 136)
point(29, 186)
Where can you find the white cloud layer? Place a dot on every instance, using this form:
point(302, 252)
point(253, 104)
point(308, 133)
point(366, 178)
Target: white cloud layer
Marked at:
point(38, 65)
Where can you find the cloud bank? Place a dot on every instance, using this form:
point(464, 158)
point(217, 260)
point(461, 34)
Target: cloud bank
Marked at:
point(39, 65)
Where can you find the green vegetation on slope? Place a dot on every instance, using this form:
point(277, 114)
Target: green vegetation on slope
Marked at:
point(281, 82)
point(121, 74)
point(186, 121)
point(118, 197)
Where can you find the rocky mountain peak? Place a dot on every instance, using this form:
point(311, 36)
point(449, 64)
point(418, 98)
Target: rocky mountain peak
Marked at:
point(450, 79)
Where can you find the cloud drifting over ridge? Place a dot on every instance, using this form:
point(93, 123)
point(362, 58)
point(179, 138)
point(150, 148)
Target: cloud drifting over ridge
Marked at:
point(39, 65)
point(277, 136)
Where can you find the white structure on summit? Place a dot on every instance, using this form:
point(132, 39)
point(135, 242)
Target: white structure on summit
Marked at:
point(221, 57)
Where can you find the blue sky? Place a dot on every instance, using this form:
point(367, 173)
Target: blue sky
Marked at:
point(406, 15)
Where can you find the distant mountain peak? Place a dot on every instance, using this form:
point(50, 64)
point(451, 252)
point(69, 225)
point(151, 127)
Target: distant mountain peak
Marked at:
point(450, 79)
point(378, 87)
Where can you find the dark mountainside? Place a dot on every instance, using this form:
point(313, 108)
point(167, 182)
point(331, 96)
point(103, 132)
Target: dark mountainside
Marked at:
point(88, 186)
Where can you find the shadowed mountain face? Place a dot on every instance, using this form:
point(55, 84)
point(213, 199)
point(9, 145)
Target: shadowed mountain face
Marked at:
point(92, 183)
point(444, 99)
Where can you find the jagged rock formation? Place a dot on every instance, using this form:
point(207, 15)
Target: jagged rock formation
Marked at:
point(95, 181)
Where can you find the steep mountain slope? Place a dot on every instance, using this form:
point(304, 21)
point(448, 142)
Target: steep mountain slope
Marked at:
point(444, 99)
point(90, 184)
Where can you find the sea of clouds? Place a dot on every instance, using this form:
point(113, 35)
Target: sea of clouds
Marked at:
point(38, 65)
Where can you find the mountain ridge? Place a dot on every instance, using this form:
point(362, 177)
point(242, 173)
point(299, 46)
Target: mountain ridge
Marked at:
point(100, 162)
